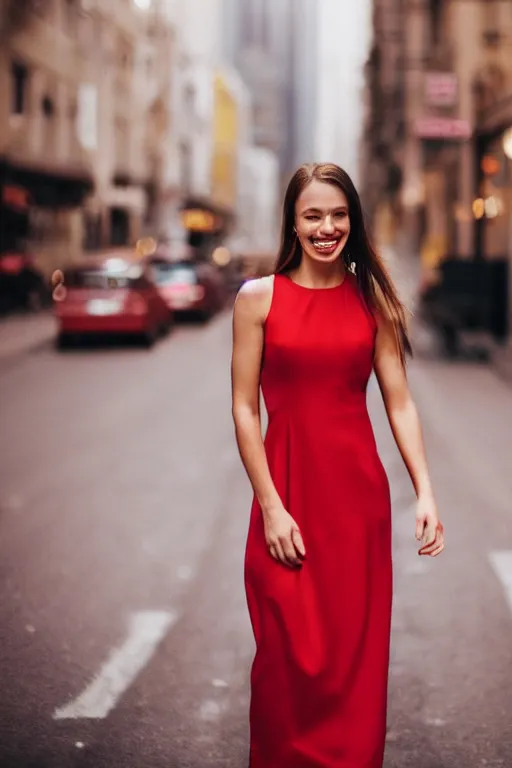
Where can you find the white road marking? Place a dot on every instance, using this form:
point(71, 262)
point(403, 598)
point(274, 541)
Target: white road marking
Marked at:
point(209, 710)
point(217, 683)
point(146, 630)
point(502, 564)
point(436, 721)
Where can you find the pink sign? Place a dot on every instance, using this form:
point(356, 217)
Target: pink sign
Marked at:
point(440, 89)
point(442, 128)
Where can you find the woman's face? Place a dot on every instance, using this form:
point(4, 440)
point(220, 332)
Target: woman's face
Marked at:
point(322, 221)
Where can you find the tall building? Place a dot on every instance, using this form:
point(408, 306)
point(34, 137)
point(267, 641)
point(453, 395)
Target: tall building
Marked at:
point(211, 110)
point(305, 74)
point(437, 145)
point(382, 151)
point(274, 46)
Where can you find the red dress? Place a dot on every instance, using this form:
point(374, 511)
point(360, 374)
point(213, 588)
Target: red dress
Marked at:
point(319, 676)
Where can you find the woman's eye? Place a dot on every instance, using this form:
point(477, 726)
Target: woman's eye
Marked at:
point(311, 217)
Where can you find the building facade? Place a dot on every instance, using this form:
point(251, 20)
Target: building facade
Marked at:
point(437, 144)
point(211, 121)
point(274, 46)
point(305, 79)
point(124, 119)
point(46, 171)
point(86, 115)
point(438, 77)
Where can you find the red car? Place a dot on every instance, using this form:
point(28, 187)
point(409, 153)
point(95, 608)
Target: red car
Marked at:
point(112, 293)
point(189, 287)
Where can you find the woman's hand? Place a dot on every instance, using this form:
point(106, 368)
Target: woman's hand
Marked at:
point(428, 528)
point(283, 537)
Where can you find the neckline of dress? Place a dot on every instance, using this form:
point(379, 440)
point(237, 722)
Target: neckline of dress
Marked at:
point(321, 290)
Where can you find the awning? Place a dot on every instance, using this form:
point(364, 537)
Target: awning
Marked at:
point(204, 203)
point(47, 188)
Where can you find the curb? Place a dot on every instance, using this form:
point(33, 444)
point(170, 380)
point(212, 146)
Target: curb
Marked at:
point(33, 331)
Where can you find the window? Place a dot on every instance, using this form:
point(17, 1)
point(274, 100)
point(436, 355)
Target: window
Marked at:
point(119, 226)
point(19, 78)
point(492, 32)
point(436, 14)
point(48, 106)
point(165, 273)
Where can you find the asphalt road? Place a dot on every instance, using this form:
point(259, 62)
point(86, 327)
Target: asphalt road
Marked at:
point(124, 636)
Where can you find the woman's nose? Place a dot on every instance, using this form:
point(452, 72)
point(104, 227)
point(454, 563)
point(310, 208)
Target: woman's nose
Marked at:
point(327, 225)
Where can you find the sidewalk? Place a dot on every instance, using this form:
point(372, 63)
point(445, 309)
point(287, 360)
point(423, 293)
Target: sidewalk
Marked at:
point(21, 333)
point(405, 270)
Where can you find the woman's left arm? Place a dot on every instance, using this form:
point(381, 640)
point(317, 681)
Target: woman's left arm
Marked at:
point(405, 425)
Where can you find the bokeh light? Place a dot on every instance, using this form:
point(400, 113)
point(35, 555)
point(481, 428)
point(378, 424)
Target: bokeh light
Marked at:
point(146, 246)
point(221, 256)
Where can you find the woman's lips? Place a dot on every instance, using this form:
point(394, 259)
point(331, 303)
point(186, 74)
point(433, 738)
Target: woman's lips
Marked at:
point(325, 246)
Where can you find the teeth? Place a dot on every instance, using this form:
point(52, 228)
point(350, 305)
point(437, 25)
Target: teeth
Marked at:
point(325, 243)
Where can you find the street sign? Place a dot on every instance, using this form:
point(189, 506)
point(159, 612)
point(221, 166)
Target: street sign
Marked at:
point(442, 128)
point(440, 89)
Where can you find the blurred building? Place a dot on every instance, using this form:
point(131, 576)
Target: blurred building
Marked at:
point(438, 80)
point(437, 144)
point(213, 117)
point(305, 79)
point(125, 119)
point(260, 202)
point(85, 93)
point(274, 46)
point(45, 165)
point(382, 149)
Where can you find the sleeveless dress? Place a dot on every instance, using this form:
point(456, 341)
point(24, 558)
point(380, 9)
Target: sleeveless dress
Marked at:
point(320, 673)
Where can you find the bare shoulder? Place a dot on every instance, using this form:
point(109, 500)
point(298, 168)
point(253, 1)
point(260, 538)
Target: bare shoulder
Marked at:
point(258, 289)
point(254, 298)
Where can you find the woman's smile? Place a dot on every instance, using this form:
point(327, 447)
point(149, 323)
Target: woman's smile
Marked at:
point(326, 246)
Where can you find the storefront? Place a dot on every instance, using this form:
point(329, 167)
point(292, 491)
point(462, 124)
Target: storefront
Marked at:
point(207, 225)
point(492, 207)
point(444, 135)
point(40, 209)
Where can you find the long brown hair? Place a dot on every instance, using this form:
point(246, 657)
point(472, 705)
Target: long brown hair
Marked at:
point(372, 276)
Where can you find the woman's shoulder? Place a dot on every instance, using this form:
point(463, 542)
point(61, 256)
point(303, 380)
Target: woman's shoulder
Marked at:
point(257, 288)
point(255, 297)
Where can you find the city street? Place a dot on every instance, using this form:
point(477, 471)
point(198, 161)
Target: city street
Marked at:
point(125, 640)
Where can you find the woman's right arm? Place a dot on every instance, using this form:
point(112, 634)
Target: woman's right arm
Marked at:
point(251, 308)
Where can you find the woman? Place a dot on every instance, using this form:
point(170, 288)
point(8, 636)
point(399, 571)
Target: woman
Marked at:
point(318, 570)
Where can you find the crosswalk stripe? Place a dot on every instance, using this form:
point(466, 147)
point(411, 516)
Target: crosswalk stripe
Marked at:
point(502, 565)
point(146, 630)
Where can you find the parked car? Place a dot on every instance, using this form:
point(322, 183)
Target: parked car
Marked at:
point(189, 287)
point(112, 294)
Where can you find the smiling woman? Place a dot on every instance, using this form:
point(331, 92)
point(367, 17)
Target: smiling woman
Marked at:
point(323, 218)
point(327, 228)
point(318, 570)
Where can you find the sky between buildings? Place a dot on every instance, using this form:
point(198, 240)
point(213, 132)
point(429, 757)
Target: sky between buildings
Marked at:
point(345, 37)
